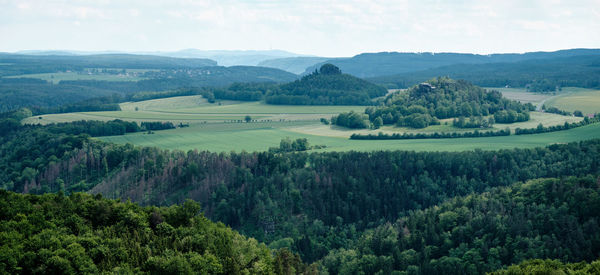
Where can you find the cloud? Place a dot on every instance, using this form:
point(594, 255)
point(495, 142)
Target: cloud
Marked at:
point(326, 27)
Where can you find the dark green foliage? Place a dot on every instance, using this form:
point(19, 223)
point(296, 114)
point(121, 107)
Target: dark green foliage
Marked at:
point(84, 234)
point(329, 69)
point(96, 128)
point(328, 86)
point(422, 105)
point(473, 122)
point(351, 120)
point(538, 266)
point(287, 145)
point(542, 86)
point(510, 116)
point(547, 218)
point(476, 133)
point(157, 125)
point(141, 96)
point(43, 95)
point(555, 110)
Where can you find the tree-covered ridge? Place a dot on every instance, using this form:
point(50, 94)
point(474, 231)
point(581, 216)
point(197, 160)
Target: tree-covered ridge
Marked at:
point(542, 75)
point(327, 86)
point(84, 234)
point(424, 104)
point(545, 218)
point(373, 65)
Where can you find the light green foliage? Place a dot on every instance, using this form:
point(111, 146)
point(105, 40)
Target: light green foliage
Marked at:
point(553, 267)
point(82, 234)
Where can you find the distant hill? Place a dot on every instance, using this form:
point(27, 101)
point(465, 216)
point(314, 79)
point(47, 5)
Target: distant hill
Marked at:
point(222, 57)
point(390, 63)
point(538, 74)
point(28, 64)
point(422, 105)
point(295, 65)
point(29, 92)
point(231, 58)
point(327, 86)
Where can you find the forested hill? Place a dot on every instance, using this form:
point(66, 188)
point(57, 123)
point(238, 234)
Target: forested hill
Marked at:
point(17, 64)
point(29, 92)
point(390, 63)
point(441, 98)
point(539, 75)
point(84, 234)
point(326, 86)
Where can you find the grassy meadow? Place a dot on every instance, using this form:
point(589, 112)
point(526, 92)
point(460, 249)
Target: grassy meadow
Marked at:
point(255, 138)
point(217, 126)
point(571, 99)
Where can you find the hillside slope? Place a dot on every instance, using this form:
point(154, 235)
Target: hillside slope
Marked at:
point(439, 98)
point(327, 86)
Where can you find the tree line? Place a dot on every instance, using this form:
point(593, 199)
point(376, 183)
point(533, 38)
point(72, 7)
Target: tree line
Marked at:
point(506, 132)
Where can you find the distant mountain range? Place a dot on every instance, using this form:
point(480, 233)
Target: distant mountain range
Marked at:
point(222, 57)
point(366, 65)
point(296, 65)
point(391, 63)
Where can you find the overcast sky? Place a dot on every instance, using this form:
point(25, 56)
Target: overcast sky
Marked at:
point(325, 28)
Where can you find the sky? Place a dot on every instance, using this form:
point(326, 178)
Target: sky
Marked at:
point(325, 28)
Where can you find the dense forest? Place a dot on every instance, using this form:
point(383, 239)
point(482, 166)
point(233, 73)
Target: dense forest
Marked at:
point(310, 203)
point(537, 75)
point(439, 98)
point(326, 86)
point(545, 219)
point(84, 234)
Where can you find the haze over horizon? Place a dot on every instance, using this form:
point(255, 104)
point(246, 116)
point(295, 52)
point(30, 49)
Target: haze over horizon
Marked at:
point(321, 28)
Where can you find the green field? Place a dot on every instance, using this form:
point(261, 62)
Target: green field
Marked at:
point(195, 109)
point(217, 127)
point(571, 99)
point(568, 99)
point(57, 77)
point(522, 95)
point(255, 137)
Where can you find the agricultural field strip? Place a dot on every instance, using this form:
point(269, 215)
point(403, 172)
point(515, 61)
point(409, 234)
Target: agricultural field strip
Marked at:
point(262, 139)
